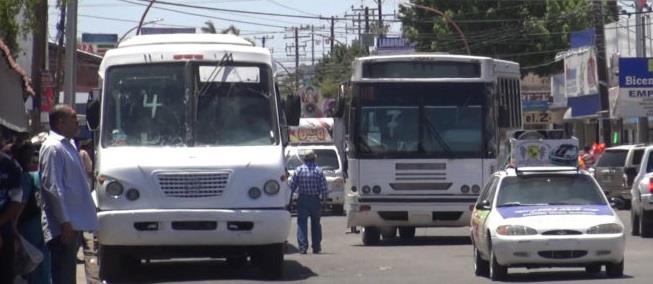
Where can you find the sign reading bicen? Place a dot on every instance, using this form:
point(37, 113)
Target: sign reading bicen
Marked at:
point(544, 152)
point(635, 88)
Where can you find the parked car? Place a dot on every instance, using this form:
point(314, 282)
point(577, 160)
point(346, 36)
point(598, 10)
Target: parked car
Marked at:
point(609, 170)
point(330, 162)
point(545, 217)
point(641, 211)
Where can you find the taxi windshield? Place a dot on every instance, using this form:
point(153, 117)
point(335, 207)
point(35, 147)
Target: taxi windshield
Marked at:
point(549, 190)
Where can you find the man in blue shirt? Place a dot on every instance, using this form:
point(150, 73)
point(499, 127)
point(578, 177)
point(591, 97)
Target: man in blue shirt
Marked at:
point(311, 186)
point(67, 202)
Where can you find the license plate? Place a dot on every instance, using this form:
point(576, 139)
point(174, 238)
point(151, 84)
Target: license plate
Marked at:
point(562, 243)
point(420, 217)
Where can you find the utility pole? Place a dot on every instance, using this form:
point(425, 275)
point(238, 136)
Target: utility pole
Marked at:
point(599, 43)
point(40, 47)
point(71, 56)
point(380, 27)
point(640, 49)
point(263, 39)
point(312, 46)
point(297, 57)
point(333, 34)
point(360, 40)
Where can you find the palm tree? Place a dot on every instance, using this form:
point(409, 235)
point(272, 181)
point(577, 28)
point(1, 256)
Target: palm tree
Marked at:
point(209, 28)
point(231, 30)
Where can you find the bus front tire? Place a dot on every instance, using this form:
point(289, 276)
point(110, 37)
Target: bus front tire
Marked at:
point(270, 261)
point(114, 265)
point(371, 235)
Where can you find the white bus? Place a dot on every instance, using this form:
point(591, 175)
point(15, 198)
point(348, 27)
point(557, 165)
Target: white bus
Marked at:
point(424, 134)
point(190, 159)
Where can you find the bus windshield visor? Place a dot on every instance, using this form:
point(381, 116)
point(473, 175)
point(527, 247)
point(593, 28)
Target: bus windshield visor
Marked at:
point(434, 119)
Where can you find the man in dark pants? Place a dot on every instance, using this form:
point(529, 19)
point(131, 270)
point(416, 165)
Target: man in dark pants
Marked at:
point(311, 186)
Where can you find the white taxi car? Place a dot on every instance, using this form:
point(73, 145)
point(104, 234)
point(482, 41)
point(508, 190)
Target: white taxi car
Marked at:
point(545, 217)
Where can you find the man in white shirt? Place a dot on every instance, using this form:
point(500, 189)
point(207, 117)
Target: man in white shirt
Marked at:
point(67, 202)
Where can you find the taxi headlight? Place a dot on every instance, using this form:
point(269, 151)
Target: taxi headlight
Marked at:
point(515, 230)
point(610, 228)
point(271, 187)
point(254, 193)
point(114, 189)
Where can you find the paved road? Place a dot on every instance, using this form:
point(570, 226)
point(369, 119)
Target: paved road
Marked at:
point(437, 255)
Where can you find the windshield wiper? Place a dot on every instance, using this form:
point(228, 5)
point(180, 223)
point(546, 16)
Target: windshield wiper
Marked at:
point(517, 203)
point(436, 135)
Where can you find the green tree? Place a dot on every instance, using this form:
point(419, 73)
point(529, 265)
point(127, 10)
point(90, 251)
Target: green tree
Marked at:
point(11, 27)
point(528, 32)
point(335, 68)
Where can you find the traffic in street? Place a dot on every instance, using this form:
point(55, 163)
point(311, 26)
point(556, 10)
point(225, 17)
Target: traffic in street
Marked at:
point(436, 255)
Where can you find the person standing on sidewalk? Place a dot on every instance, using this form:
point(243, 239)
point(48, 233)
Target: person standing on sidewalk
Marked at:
point(67, 203)
point(11, 194)
point(311, 186)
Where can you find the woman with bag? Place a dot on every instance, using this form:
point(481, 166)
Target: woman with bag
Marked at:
point(29, 222)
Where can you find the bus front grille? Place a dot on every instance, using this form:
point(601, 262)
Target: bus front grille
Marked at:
point(193, 184)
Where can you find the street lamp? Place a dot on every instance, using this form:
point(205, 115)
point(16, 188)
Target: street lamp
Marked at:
point(136, 27)
point(446, 18)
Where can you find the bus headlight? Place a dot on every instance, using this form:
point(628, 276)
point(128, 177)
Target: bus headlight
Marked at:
point(366, 189)
point(132, 194)
point(254, 193)
point(114, 189)
point(464, 188)
point(271, 187)
point(376, 189)
point(476, 188)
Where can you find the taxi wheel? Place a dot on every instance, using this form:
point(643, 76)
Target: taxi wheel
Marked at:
point(481, 266)
point(371, 236)
point(645, 228)
point(593, 268)
point(497, 271)
point(615, 269)
point(634, 223)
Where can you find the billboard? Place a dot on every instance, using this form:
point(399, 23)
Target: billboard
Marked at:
point(581, 77)
point(152, 31)
point(635, 88)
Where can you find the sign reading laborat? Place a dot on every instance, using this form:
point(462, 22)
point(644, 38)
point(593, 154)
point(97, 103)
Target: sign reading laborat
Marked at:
point(635, 88)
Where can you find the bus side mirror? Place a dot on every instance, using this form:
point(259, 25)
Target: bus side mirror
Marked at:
point(292, 107)
point(93, 113)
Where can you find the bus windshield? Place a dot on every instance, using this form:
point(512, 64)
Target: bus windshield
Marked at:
point(148, 105)
point(436, 119)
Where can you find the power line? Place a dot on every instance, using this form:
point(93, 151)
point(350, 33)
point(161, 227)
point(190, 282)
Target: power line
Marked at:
point(203, 15)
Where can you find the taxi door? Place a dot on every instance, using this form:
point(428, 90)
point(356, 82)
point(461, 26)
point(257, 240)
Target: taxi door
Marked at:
point(481, 212)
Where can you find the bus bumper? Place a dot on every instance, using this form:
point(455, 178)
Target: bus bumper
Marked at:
point(222, 227)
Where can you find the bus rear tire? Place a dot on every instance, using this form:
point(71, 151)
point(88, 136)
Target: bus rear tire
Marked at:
point(406, 233)
point(371, 236)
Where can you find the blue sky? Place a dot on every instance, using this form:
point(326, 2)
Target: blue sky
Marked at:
point(117, 16)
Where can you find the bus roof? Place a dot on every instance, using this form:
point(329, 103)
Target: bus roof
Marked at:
point(185, 39)
point(145, 49)
point(499, 67)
